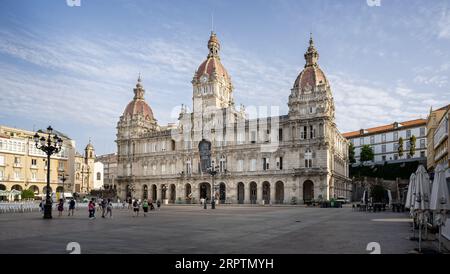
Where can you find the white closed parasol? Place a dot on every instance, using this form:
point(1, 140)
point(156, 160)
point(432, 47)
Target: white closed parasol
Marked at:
point(440, 203)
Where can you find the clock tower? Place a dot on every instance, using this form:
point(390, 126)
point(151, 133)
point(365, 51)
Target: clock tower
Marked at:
point(212, 88)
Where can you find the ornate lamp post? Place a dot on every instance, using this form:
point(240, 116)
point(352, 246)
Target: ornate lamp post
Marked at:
point(213, 172)
point(50, 145)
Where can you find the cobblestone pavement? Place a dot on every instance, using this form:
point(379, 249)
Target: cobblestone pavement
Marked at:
point(225, 230)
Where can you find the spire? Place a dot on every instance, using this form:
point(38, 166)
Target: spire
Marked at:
point(139, 90)
point(311, 55)
point(213, 45)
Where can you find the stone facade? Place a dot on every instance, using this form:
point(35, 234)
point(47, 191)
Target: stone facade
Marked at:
point(280, 159)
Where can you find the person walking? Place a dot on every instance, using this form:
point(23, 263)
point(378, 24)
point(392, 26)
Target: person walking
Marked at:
point(60, 207)
point(109, 207)
point(158, 204)
point(91, 208)
point(152, 207)
point(71, 206)
point(135, 208)
point(130, 202)
point(41, 206)
point(145, 207)
point(103, 206)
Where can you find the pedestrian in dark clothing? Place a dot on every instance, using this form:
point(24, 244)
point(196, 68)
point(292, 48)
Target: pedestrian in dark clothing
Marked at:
point(103, 205)
point(136, 208)
point(158, 204)
point(91, 208)
point(60, 207)
point(71, 206)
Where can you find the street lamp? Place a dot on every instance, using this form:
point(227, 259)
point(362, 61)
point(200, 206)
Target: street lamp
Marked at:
point(50, 145)
point(63, 179)
point(213, 172)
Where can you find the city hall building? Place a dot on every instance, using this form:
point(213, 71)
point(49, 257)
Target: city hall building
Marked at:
point(270, 159)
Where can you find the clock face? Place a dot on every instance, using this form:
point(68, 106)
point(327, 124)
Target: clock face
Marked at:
point(204, 79)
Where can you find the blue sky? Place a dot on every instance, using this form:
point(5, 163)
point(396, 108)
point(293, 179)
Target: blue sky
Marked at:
point(75, 67)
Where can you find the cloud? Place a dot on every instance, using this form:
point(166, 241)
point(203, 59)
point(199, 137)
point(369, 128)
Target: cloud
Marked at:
point(444, 24)
point(362, 104)
point(88, 82)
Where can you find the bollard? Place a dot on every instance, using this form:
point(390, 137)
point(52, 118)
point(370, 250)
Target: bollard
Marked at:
point(213, 204)
point(204, 204)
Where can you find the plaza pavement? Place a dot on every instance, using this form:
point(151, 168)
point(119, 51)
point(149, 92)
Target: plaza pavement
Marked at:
point(225, 230)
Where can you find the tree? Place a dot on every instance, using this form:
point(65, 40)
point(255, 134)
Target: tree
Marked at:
point(351, 153)
point(366, 153)
point(400, 147)
point(27, 194)
point(412, 145)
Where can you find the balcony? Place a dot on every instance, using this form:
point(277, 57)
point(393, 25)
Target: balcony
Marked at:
point(34, 167)
point(17, 165)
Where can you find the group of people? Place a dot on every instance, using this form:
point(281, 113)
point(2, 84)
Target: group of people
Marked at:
point(60, 207)
point(146, 205)
point(106, 207)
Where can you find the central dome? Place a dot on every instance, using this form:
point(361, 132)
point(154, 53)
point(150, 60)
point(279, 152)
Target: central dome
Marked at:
point(212, 65)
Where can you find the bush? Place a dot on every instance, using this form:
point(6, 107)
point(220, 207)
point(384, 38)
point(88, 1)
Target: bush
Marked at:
point(27, 194)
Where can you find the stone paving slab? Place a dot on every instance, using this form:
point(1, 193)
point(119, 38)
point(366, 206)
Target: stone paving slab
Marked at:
point(225, 230)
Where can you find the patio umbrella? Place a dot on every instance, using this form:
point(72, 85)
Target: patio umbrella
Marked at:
point(410, 200)
point(422, 199)
point(15, 192)
point(440, 199)
point(4, 193)
point(410, 194)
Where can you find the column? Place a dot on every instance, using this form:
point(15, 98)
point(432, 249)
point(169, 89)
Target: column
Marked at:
point(195, 193)
point(272, 193)
point(259, 195)
point(158, 192)
point(246, 193)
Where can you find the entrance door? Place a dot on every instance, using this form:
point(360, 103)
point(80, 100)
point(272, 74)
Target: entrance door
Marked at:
point(253, 190)
point(187, 194)
point(205, 191)
point(222, 193)
point(154, 193)
point(279, 192)
point(266, 192)
point(308, 191)
point(172, 193)
point(241, 193)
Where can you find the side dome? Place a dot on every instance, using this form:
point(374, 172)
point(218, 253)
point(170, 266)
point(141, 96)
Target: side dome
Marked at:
point(311, 76)
point(138, 106)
